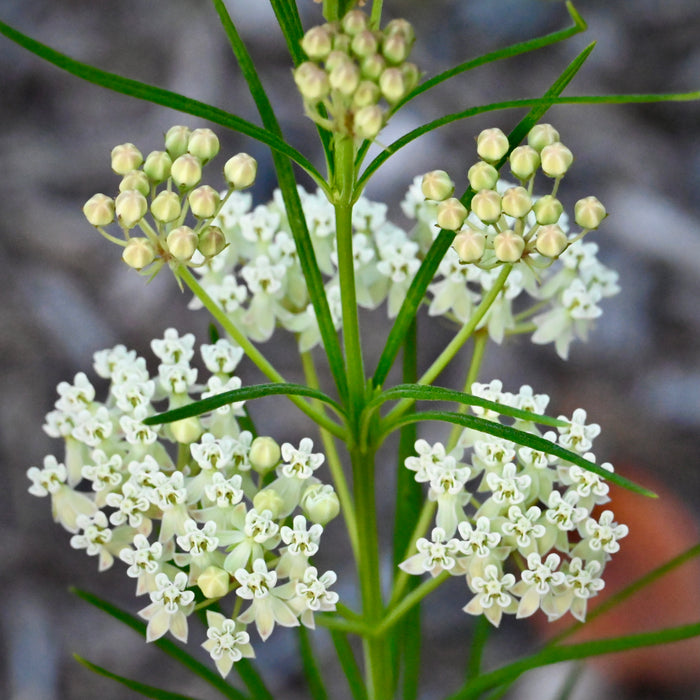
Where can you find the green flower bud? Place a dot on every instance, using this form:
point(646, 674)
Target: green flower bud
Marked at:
point(130, 207)
point(547, 210)
point(451, 214)
point(524, 161)
point(556, 159)
point(317, 42)
point(392, 84)
point(344, 77)
point(211, 241)
point(482, 176)
point(204, 201)
point(367, 94)
point(204, 144)
point(312, 82)
point(368, 122)
point(372, 67)
point(341, 44)
point(99, 210)
point(269, 499)
point(589, 212)
point(469, 245)
point(354, 22)
point(551, 241)
point(401, 27)
point(176, 140)
point(437, 185)
point(157, 166)
point(542, 135)
point(138, 253)
point(508, 246)
point(125, 158)
point(364, 44)
point(214, 582)
point(240, 171)
point(492, 145)
point(516, 202)
point(182, 242)
point(187, 430)
point(264, 454)
point(186, 171)
point(395, 49)
point(135, 180)
point(166, 207)
point(320, 503)
point(411, 75)
point(486, 204)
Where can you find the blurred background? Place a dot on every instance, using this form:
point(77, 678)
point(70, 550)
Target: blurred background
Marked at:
point(67, 294)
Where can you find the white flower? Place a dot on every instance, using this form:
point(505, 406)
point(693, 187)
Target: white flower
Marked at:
point(300, 463)
point(492, 595)
point(95, 537)
point(538, 583)
point(313, 594)
point(222, 357)
point(227, 642)
point(170, 606)
point(174, 349)
point(130, 504)
point(144, 562)
point(433, 556)
point(577, 436)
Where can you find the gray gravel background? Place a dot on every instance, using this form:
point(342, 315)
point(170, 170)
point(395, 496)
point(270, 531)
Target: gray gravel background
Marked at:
point(66, 294)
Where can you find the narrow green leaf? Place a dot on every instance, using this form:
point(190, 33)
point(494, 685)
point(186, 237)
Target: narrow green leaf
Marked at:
point(519, 437)
point(160, 96)
point(253, 680)
point(317, 688)
point(290, 24)
point(246, 393)
point(349, 664)
point(164, 644)
point(148, 691)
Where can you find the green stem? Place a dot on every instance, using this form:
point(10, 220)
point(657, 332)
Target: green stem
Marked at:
point(376, 16)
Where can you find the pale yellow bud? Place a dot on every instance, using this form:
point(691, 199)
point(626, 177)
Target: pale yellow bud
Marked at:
point(345, 77)
point(203, 143)
point(204, 201)
point(187, 430)
point(395, 48)
point(411, 75)
point(138, 253)
point(482, 176)
point(589, 212)
point(130, 207)
point(176, 140)
point(556, 159)
point(320, 503)
point(437, 185)
point(211, 241)
point(240, 171)
point(135, 180)
point(186, 171)
point(125, 158)
point(157, 166)
point(354, 22)
point(214, 582)
point(547, 209)
point(402, 27)
point(542, 135)
point(372, 67)
point(264, 454)
point(469, 245)
point(165, 207)
point(364, 44)
point(368, 122)
point(99, 210)
point(451, 214)
point(551, 241)
point(492, 145)
point(312, 82)
point(524, 161)
point(269, 499)
point(341, 44)
point(486, 204)
point(336, 58)
point(317, 43)
point(367, 94)
point(516, 202)
point(182, 242)
point(392, 84)
point(508, 246)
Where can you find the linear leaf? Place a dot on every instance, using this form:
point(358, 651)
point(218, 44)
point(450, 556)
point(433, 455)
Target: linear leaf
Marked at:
point(317, 688)
point(519, 437)
point(349, 664)
point(197, 408)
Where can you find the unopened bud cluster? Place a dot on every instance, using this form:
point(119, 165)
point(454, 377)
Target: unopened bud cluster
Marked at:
point(506, 223)
point(351, 68)
point(167, 185)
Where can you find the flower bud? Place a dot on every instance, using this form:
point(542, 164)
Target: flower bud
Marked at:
point(187, 430)
point(186, 171)
point(138, 253)
point(157, 166)
point(240, 171)
point(372, 67)
point(345, 77)
point(542, 135)
point(411, 75)
point(312, 82)
point(211, 241)
point(551, 241)
point(125, 158)
point(403, 28)
point(589, 212)
point(204, 201)
point(547, 209)
point(317, 43)
point(182, 242)
point(492, 145)
point(269, 499)
point(368, 122)
point(482, 176)
point(556, 159)
point(264, 454)
point(176, 139)
point(135, 180)
point(392, 84)
point(166, 206)
point(451, 214)
point(336, 58)
point(214, 582)
point(524, 161)
point(364, 44)
point(320, 503)
point(469, 245)
point(395, 49)
point(130, 207)
point(437, 185)
point(367, 94)
point(508, 246)
point(204, 144)
point(516, 202)
point(486, 204)
point(354, 22)
point(341, 44)
point(99, 210)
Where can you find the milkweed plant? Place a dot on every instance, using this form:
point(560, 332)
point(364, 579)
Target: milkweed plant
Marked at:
point(170, 473)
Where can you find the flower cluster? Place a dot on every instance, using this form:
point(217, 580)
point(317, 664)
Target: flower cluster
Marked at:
point(197, 508)
point(517, 522)
point(351, 68)
point(178, 171)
